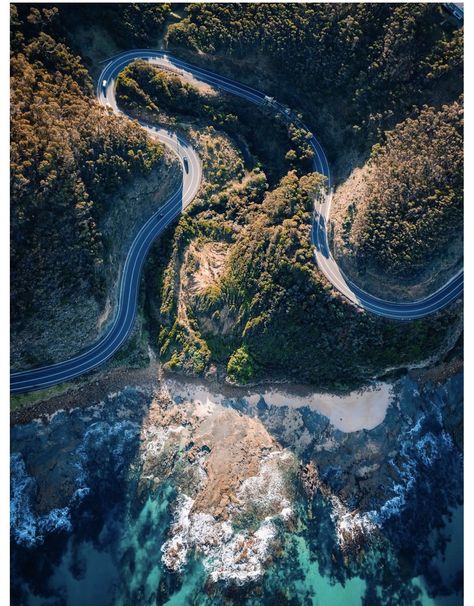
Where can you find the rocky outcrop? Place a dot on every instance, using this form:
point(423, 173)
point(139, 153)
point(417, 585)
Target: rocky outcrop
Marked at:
point(245, 487)
point(229, 472)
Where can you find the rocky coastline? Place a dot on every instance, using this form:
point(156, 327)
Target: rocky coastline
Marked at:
point(246, 467)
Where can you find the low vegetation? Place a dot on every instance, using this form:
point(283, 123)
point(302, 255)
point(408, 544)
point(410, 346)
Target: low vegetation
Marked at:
point(405, 215)
point(360, 72)
point(268, 311)
point(70, 159)
point(167, 98)
point(143, 84)
point(289, 321)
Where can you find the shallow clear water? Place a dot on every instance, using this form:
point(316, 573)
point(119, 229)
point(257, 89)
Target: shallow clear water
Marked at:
point(84, 531)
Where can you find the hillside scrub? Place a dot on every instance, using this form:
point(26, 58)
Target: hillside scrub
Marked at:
point(147, 91)
point(268, 312)
point(405, 215)
point(290, 321)
point(286, 320)
point(240, 366)
point(173, 326)
point(358, 72)
point(271, 312)
point(371, 61)
point(70, 159)
point(141, 83)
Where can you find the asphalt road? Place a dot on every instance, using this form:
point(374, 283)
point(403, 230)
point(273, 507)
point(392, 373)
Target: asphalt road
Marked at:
point(122, 325)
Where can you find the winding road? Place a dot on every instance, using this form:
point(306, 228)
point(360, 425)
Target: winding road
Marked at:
point(125, 312)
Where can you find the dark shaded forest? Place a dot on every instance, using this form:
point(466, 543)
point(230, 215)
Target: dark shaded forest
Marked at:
point(371, 62)
point(68, 157)
point(389, 75)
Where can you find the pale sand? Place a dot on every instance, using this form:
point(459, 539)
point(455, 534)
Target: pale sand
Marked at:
point(363, 409)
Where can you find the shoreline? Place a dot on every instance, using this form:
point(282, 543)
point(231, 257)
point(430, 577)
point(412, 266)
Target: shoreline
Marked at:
point(356, 410)
point(153, 378)
point(89, 393)
point(363, 408)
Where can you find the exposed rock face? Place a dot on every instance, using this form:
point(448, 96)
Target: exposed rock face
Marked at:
point(369, 477)
point(375, 479)
point(309, 478)
point(230, 472)
point(231, 556)
point(352, 528)
point(243, 480)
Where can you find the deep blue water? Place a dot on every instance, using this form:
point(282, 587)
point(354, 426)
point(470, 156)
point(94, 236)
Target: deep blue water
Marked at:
point(84, 532)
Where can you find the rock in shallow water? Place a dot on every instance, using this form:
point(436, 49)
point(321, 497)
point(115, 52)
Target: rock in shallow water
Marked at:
point(174, 484)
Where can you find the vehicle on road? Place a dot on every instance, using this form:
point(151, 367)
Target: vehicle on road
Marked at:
point(104, 84)
point(104, 348)
point(456, 9)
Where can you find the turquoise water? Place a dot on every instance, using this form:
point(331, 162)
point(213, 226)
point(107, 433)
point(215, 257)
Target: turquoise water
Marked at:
point(101, 544)
point(319, 587)
point(449, 563)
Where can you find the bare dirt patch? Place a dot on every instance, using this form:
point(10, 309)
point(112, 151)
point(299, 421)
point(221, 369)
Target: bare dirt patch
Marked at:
point(222, 163)
point(210, 259)
point(204, 264)
point(104, 316)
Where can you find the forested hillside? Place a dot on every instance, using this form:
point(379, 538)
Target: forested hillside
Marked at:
point(358, 71)
point(146, 91)
point(128, 24)
point(403, 214)
point(235, 285)
point(289, 320)
point(141, 84)
point(68, 158)
point(241, 290)
point(370, 62)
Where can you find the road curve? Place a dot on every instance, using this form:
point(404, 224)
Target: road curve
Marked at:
point(122, 324)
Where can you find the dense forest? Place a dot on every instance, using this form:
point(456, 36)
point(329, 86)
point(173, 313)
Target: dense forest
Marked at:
point(371, 62)
point(284, 317)
point(141, 84)
point(163, 94)
point(360, 74)
point(68, 157)
point(406, 211)
point(270, 311)
point(129, 24)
